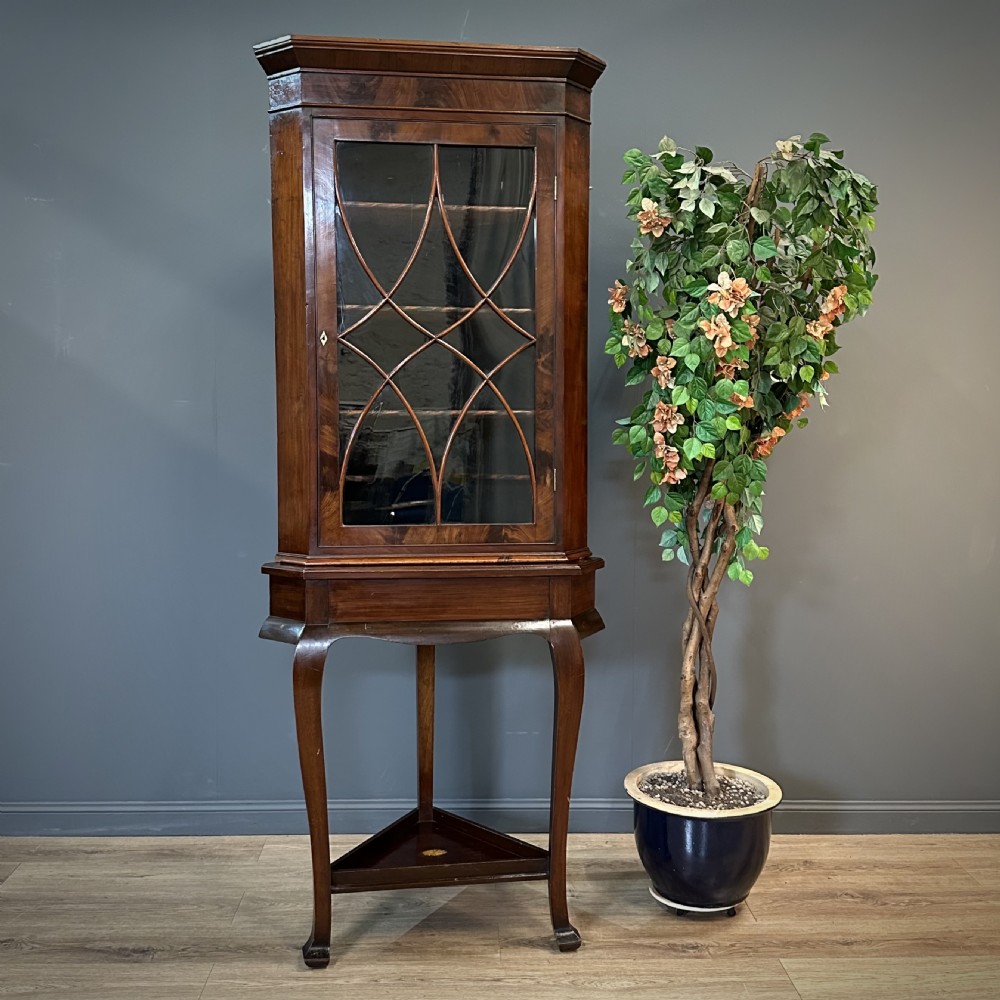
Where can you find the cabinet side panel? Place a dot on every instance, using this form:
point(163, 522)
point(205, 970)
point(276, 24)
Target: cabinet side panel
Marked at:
point(575, 210)
point(296, 431)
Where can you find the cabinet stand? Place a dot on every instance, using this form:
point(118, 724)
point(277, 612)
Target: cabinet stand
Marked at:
point(429, 846)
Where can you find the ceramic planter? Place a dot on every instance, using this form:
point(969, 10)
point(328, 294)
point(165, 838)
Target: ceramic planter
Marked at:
point(701, 860)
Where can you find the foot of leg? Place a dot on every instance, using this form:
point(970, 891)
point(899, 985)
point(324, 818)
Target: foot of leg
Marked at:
point(568, 938)
point(316, 956)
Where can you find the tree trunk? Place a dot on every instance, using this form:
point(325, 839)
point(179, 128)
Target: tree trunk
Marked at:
point(711, 529)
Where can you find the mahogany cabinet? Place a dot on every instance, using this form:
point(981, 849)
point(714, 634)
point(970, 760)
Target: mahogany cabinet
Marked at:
point(430, 228)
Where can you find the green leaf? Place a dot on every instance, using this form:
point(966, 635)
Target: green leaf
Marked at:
point(636, 375)
point(708, 450)
point(658, 515)
point(737, 249)
point(732, 422)
point(763, 248)
point(679, 396)
point(704, 153)
point(763, 275)
point(674, 502)
point(706, 409)
point(669, 537)
point(807, 372)
point(692, 448)
point(696, 287)
point(704, 431)
point(689, 314)
point(636, 158)
point(706, 207)
point(760, 216)
point(652, 495)
point(619, 435)
point(692, 361)
point(637, 473)
point(724, 389)
point(719, 491)
point(668, 146)
point(666, 554)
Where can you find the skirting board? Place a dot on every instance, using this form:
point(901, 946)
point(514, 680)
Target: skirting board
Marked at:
point(205, 818)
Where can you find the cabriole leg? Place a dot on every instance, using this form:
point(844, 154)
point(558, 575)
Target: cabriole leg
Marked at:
point(567, 665)
point(307, 684)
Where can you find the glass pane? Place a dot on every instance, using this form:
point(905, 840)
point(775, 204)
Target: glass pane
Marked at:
point(447, 338)
point(487, 466)
point(493, 346)
point(486, 175)
point(388, 479)
point(385, 172)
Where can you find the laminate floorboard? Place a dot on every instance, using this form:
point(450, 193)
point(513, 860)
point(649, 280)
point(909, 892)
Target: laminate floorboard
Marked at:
point(201, 918)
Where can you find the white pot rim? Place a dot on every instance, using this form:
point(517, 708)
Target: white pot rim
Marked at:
point(765, 784)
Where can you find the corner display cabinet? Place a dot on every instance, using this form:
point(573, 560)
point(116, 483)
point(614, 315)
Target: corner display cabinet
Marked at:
point(430, 273)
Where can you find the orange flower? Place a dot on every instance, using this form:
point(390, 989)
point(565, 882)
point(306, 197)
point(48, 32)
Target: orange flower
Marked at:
point(832, 307)
point(662, 371)
point(834, 302)
point(619, 295)
point(819, 328)
point(667, 418)
point(743, 402)
point(729, 295)
point(803, 405)
point(634, 339)
point(671, 458)
point(763, 446)
point(753, 321)
point(717, 330)
point(729, 369)
point(650, 219)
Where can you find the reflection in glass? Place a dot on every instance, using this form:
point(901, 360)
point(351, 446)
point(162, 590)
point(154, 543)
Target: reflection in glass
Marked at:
point(436, 362)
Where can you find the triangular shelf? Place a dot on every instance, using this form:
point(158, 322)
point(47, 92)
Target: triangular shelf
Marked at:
point(445, 850)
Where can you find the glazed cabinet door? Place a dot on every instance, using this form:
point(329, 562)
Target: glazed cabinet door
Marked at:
point(434, 333)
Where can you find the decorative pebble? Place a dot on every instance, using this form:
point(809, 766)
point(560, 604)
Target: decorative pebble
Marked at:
point(734, 793)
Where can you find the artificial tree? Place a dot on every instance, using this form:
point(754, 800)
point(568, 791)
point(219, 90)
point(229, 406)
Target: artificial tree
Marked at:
point(736, 290)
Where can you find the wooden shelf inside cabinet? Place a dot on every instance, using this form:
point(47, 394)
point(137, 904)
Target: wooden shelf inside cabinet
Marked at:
point(430, 336)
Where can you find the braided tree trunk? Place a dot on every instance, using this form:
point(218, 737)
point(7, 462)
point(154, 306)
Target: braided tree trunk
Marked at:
point(711, 529)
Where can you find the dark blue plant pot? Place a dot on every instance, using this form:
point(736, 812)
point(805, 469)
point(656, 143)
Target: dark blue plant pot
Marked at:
point(702, 860)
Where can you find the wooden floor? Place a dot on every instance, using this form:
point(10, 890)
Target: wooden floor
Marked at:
point(902, 917)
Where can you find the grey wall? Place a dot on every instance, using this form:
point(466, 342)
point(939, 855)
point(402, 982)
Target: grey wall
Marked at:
point(137, 436)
